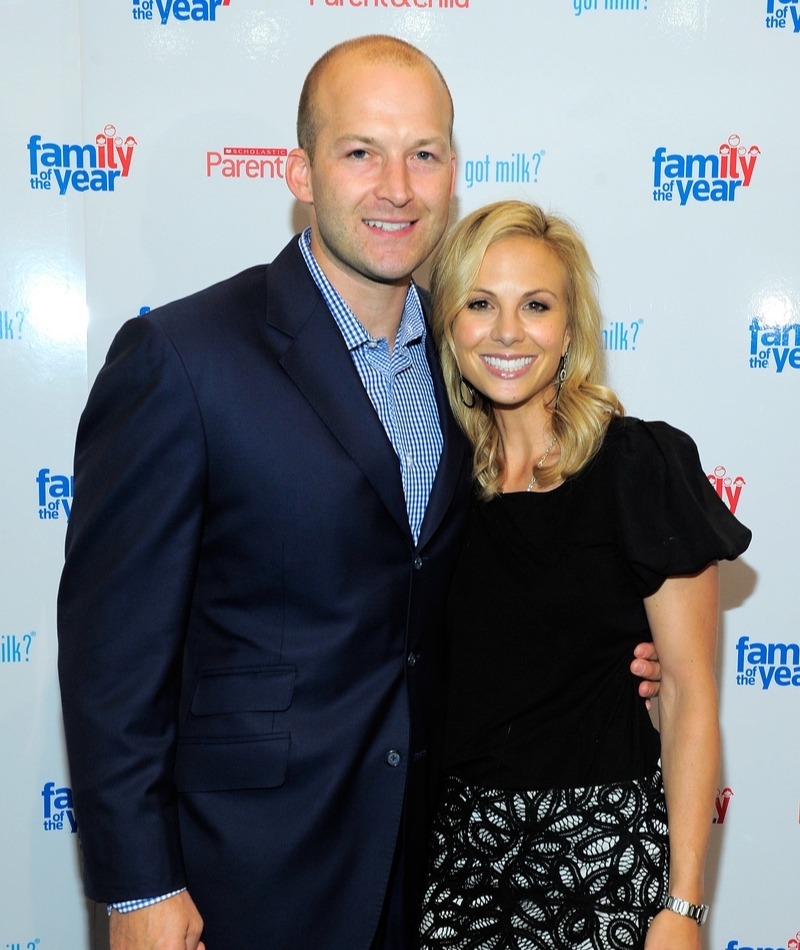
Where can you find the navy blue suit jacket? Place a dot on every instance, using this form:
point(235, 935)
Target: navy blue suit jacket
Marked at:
point(251, 649)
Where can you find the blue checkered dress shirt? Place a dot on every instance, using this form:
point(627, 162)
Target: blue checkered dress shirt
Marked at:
point(400, 387)
point(398, 383)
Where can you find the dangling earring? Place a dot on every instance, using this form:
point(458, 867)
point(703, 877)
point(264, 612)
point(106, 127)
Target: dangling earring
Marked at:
point(561, 375)
point(470, 392)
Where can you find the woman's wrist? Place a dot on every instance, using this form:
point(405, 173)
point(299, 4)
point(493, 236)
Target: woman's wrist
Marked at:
point(697, 912)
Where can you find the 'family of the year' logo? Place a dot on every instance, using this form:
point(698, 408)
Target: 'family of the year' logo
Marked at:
point(183, 11)
point(94, 166)
point(729, 489)
point(714, 176)
point(767, 664)
point(793, 943)
point(57, 809)
point(774, 345)
point(778, 15)
point(721, 803)
point(55, 494)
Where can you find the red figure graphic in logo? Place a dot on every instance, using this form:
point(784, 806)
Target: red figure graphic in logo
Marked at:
point(110, 149)
point(721, 804)
point(734, 157)
point(729, 489)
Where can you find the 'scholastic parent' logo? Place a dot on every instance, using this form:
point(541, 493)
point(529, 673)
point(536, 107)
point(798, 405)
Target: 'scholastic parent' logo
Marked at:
point(778, 15)
point(184, 11)
point(704, 177)
point(90, 167)
point(242, 162)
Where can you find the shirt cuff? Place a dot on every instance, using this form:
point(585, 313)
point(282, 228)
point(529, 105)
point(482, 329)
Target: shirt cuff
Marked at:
point(125, 907)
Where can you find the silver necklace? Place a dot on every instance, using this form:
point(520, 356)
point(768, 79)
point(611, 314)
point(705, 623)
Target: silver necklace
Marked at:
point(540, 463)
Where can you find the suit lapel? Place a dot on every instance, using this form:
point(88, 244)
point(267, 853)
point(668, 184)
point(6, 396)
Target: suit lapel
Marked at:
point(318, 362)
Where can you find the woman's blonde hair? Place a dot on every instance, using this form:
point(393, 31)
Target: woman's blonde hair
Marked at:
point(584, 406)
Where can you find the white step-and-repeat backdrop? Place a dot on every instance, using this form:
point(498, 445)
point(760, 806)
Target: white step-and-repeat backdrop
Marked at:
point(142, 152)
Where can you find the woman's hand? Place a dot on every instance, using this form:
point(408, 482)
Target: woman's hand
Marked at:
point(670, 931)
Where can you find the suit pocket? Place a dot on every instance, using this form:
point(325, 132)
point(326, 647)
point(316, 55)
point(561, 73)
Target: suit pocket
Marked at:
point(261, 689)
point(225, 764)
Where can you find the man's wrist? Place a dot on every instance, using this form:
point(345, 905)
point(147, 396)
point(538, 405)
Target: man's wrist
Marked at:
point(125, 907)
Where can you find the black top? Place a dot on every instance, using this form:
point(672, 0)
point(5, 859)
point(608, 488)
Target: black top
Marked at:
point(546, 606)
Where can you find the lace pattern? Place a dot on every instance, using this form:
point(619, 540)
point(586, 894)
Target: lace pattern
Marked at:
point(565, 869)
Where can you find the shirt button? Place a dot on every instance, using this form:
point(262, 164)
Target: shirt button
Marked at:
point(417, 563)
point(372, 344)
point(393, 758)
point(412, 659)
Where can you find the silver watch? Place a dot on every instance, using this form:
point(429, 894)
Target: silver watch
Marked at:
point(697, 912)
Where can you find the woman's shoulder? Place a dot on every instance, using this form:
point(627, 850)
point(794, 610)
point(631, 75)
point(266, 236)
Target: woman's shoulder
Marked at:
point(642, 444)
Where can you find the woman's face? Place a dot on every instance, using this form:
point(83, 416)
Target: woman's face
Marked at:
point(510, 336)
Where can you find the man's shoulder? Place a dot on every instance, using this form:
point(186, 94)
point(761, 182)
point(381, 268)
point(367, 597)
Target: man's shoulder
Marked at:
point(243, 290)
point(237, 300)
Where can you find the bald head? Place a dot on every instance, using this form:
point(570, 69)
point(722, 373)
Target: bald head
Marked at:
point(370, 50)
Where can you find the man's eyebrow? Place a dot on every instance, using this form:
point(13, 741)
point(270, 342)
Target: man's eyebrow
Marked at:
point(371, 140)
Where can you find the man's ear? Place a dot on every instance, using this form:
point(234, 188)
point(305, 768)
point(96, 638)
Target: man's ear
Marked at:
point(298, 175)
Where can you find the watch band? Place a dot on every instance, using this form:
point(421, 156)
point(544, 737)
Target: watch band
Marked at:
point(696, 912)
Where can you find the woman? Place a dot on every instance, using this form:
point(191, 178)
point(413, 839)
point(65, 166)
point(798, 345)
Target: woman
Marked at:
point(590, 532)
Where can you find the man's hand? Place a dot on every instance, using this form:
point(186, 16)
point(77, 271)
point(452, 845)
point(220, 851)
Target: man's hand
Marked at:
point(646, 665)
point(173, 924)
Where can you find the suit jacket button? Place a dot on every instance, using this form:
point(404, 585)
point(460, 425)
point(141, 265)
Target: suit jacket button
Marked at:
point(418, 563)
point(411, 659)
point(393, 758)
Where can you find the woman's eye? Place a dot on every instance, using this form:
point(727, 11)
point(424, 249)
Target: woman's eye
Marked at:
point(478, 304)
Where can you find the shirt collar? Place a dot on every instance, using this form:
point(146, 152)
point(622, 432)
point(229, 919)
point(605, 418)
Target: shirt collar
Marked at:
point(412, 324)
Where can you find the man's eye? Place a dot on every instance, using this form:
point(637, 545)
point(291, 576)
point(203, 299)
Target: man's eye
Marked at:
point(425, 156)
point(358, 153)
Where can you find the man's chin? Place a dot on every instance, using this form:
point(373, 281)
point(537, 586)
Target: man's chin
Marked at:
point(398, 270)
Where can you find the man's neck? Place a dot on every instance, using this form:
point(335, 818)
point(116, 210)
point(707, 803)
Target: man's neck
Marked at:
point(377, 306)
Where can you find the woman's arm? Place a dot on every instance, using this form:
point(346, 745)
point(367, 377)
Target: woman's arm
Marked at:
point(683, 617)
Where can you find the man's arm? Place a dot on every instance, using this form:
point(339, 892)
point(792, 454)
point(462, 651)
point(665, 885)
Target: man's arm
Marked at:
point(124, 600)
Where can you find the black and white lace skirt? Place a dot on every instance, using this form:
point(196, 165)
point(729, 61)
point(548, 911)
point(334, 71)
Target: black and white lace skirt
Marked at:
point(565, 869)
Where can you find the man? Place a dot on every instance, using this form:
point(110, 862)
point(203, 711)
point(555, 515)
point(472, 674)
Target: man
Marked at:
point(269, 495)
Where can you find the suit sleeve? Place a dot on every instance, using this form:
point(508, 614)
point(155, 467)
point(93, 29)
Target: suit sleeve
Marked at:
point(131, 554)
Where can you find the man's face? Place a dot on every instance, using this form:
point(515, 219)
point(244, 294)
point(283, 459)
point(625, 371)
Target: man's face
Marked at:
point(383, 170)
